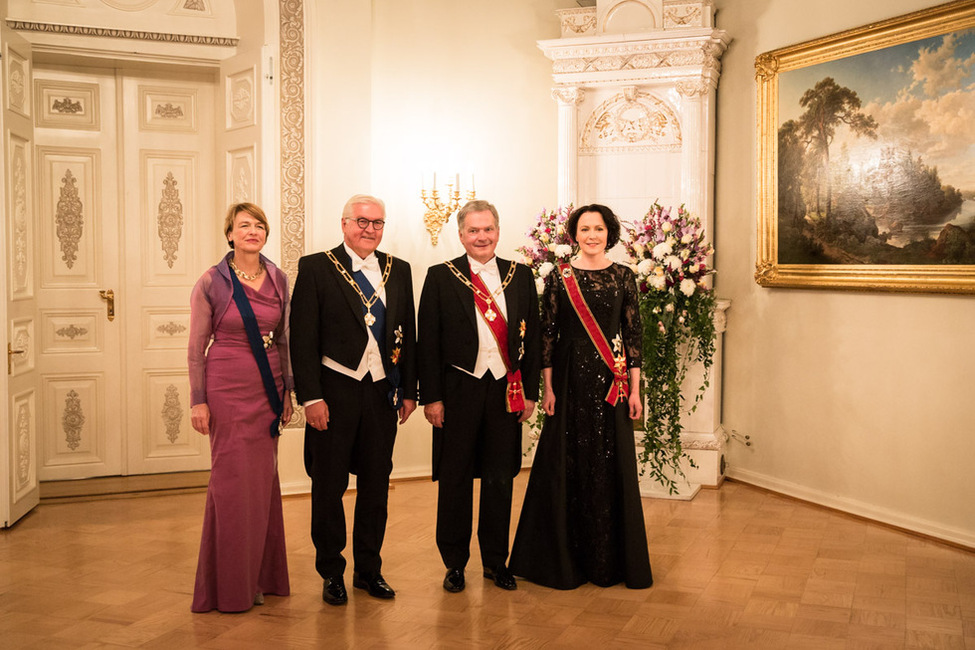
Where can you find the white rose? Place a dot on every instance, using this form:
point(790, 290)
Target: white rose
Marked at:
point(563, 250)
point(658, 282)
point(644, 267)
point(540, 285)
point(666, 226)
point(669, 307)
point(687, 287)
point(662, 250)
point(545, 269)
point(686, 239)
point(638, 249)
point(673, 262)
point(694, 268)
point(543, 238)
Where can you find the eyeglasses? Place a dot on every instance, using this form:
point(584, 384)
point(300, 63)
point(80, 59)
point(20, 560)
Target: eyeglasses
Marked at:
point(364, 223)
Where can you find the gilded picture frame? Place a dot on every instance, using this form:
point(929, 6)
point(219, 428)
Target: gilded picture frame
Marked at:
point(863, 140)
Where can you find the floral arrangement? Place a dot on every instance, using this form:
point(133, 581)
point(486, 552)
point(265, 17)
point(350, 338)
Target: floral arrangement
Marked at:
point(669, 254)
point(548, 246)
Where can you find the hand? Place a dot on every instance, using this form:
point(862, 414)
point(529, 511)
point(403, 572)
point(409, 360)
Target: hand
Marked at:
point(548, 402)
point(200, 418)
point(288, 409)
point(527, 413)
point(317, 415)
point(433, 412)
point(636, 404)
point(406, 409)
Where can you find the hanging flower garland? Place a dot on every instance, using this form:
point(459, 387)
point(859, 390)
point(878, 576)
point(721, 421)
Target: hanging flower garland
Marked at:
point(669, 254)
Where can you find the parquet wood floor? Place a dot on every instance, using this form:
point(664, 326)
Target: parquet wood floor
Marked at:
point(734, 568)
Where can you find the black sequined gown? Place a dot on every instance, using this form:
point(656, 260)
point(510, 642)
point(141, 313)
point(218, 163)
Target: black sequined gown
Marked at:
point(582, 520)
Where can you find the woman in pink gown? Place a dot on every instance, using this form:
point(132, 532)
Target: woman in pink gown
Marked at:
point(242, 552)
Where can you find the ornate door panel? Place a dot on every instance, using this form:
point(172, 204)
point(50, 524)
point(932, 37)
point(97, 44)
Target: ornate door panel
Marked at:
point(78, 336)
point(18, 442)
point(170, 237)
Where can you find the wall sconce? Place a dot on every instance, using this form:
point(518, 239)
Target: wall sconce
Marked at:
point(438, 213)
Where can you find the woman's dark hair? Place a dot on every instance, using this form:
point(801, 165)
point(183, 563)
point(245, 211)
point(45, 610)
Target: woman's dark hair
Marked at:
point(611, 220)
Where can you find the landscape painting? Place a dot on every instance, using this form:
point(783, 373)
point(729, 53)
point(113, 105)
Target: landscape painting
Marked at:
point(872, 177)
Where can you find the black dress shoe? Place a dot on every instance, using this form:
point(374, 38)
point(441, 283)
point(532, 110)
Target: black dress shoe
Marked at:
point(502, 577)
point(454, 580)
point(333, 592)
point(374, 584)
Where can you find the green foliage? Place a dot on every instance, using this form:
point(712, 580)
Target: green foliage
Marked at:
point(678, 331)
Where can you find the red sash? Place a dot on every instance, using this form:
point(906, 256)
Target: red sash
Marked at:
point(620, 388)
point(515, 395)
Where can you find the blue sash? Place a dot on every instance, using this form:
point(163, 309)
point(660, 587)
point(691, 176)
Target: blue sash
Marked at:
point(378, 328)
point(260, 354)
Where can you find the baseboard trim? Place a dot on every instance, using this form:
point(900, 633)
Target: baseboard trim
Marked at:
point(119, 487)
point(956, 537)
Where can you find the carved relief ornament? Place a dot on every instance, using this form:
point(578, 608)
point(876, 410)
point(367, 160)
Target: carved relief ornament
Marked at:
point(631, 121)
point(69, 219)
point(568, 95)
point(72, 420)
point(170, 219)
point(23, 445)
point(172, 413)
point(292, 106)
point(104, 32)
point(21, 248)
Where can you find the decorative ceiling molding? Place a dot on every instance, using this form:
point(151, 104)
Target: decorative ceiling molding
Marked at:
point(80, 30)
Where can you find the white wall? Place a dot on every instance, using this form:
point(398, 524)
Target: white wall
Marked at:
point(855, 400)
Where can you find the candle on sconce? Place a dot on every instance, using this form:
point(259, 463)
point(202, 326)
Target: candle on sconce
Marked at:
point(472, 183)
point(457, 181)
point(434, 181)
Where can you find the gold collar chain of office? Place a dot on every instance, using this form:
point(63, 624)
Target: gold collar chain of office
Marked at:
point(369, 318)
point(489, 298)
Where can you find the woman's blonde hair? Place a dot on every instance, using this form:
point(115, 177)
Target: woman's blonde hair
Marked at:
point(251, 209)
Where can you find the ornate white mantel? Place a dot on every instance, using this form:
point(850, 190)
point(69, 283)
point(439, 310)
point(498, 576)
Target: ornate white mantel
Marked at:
point(635, 83)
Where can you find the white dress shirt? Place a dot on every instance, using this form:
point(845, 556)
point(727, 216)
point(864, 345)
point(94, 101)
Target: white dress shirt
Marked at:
point(489, 356)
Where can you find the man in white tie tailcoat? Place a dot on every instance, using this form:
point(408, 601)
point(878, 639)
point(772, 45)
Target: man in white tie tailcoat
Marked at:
point(478, 361)
point(353, 353)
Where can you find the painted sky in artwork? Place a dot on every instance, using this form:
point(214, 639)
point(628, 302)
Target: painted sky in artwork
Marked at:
point(922, 95)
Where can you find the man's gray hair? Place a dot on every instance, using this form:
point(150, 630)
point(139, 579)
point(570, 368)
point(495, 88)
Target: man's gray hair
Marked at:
point(476, 205)
point(362, 198)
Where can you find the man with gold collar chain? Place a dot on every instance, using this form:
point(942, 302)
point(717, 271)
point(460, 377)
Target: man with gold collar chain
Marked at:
point(353, 354)
point(479, 359)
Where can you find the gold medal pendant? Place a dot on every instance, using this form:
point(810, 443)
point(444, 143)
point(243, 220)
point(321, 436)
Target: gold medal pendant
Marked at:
point(369, 318)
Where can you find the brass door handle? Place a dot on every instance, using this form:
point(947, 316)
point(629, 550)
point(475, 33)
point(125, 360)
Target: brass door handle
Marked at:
point(109, 296)
point(10, 358)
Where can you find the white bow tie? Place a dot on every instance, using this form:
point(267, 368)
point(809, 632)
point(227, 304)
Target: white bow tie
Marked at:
point(371, 263)
point(481, 269)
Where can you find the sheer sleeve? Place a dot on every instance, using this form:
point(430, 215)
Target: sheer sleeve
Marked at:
point(281, 336)
point(201, 325)
point(630, 321)
point(550, 317)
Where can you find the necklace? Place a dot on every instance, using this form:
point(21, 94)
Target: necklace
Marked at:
point(490, 314)
point(244, 276)
point(369, 318)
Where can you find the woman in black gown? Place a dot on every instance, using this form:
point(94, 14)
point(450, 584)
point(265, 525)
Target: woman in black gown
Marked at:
point(582, 520)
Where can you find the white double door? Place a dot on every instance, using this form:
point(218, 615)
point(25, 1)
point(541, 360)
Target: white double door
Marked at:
point(126, 221)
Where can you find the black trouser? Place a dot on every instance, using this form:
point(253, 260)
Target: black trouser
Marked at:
point(359, 439)
point(479, 438)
